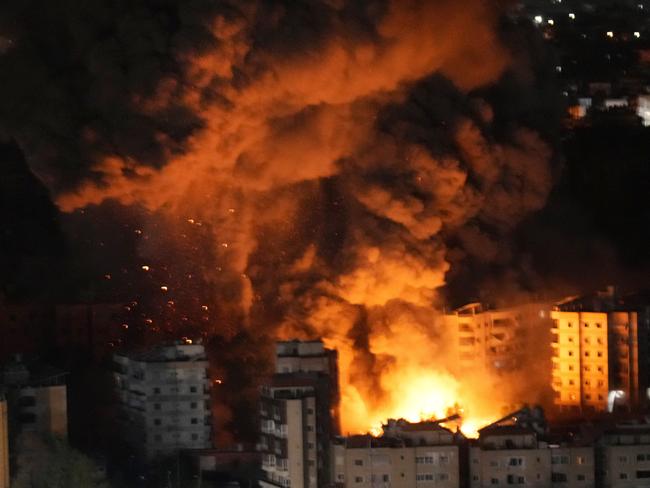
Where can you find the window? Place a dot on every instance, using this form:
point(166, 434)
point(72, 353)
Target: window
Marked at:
point(586, 324)
point(515, 461)
point(157, 438)
point(494, 481)
point(587, 354)
point(622, 476)
point(156, 406)
point(440, 477)
point(494, 464)
point(194, 421)
point(193, 405)
point(310, 411)
point(600, 354)
point(358, 479)
point(444, 459)
point(156, 391)
point(570, 353)
point(622, 459)
point(580, 460)
point(385, 478)
point(559, 459)
point(195, 437)
point(156, 421)
point(559, 477)
point(192, 389)
point(358, 462)
point(643, 473)
point(586, 368)
point(598, 326)
point(424, 477)
point(580, 477)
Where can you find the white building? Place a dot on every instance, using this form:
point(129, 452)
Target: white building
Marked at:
point(164, 395)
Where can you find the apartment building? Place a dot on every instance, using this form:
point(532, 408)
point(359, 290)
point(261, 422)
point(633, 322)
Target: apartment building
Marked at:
point(422, 454)
point(299, 415)
point(600, 346)
point(164, 399)
point(516, 455)
point(36, 396)
point(497, 339)
point(624, 457)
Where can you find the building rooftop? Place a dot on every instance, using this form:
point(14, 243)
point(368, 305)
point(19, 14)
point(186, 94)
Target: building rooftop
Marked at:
point(176, 352)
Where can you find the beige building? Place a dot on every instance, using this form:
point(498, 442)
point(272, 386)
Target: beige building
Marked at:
point(420, 454)
point(299, 415)
point(514, 455)
point(4, 444)
point(37, 398)
point(164, 399)
point(595, 360)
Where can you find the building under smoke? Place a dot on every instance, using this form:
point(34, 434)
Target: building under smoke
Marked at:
point(164, 399)
point(600, 352)
point(298, 414)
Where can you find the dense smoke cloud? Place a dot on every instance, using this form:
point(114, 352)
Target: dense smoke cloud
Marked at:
point(334, 151)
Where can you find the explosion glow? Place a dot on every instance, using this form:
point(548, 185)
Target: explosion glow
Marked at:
point(332, 176)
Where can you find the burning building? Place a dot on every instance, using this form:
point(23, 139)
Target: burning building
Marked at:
point(333, 178)
point(298, 415)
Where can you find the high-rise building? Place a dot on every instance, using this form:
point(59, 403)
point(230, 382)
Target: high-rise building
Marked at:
point(600, 352)
point(4, 444)
point(164, 396)
point(299, 415)
point(497, 339)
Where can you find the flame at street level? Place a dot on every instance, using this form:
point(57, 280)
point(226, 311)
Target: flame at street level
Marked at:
point(417, 393)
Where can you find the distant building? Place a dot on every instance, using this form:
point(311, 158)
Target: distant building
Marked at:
point(299, 415)
point(4, 444)
point(406, 455)
point(164, 396)
point(37, 398)
point(600, 352)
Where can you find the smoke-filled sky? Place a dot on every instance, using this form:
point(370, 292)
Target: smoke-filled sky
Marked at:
point(287, 168)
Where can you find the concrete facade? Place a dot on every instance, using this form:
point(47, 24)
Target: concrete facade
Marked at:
point(164, 399)
point(407, 455)
point(299, 415)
